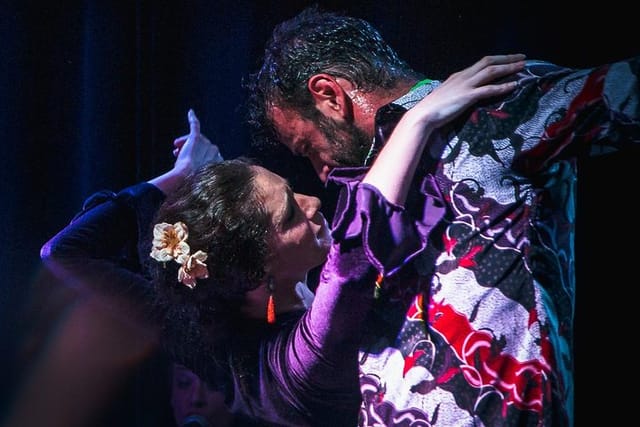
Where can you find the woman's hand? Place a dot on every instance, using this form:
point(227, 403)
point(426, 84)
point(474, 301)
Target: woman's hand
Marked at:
point(192, 151)
point(464, 88)
point(394, 167)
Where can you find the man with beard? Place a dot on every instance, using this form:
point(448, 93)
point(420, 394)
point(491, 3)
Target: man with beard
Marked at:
point(480, 330)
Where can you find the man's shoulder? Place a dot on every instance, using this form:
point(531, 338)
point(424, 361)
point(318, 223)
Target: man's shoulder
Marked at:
point(411, 98)
point(539, 67)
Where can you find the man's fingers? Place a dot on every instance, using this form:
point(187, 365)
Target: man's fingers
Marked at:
point(194, 123)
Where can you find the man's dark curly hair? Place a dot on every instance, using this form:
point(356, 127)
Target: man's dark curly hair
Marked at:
point(226, 218)
point(312, 42)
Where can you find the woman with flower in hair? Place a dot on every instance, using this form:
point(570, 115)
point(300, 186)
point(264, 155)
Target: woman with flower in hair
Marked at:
point(232, 242)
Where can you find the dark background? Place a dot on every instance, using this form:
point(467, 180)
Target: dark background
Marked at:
point(93, 94)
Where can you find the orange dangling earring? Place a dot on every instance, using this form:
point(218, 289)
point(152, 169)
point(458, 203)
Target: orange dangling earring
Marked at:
point(271, 305)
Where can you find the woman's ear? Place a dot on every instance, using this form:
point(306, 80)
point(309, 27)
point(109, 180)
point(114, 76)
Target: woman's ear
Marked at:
point(330, 97)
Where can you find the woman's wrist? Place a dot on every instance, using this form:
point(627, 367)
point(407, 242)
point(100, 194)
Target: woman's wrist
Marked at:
point(169, 181)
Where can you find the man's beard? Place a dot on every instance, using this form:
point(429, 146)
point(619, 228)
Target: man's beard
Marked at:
point(350, 144)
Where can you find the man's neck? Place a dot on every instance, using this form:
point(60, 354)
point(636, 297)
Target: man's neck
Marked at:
point(367, 104)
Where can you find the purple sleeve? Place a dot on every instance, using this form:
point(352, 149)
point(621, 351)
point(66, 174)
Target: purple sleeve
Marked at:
point(320, 369)
point(390, 237)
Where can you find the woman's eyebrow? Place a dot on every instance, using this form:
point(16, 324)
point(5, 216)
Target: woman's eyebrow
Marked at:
point(285, 212)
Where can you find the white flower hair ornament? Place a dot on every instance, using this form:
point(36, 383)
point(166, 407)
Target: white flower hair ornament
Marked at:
point(170, 243)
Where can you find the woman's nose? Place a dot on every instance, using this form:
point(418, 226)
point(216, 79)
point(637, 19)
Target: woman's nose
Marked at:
point(321, 168)
point(309, 204)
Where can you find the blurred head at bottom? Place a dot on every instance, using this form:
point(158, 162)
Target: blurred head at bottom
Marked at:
point(194, 402)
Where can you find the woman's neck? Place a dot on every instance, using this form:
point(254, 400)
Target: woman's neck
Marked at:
point(285, 299)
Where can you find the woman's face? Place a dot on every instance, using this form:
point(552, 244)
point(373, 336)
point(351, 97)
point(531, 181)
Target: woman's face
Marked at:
point(301, 237)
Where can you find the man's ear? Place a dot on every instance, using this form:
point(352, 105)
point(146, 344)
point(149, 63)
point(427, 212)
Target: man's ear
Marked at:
point(330, 97)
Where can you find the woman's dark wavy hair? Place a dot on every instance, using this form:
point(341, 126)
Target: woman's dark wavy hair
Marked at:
point(312, 42)
point(226, 218)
